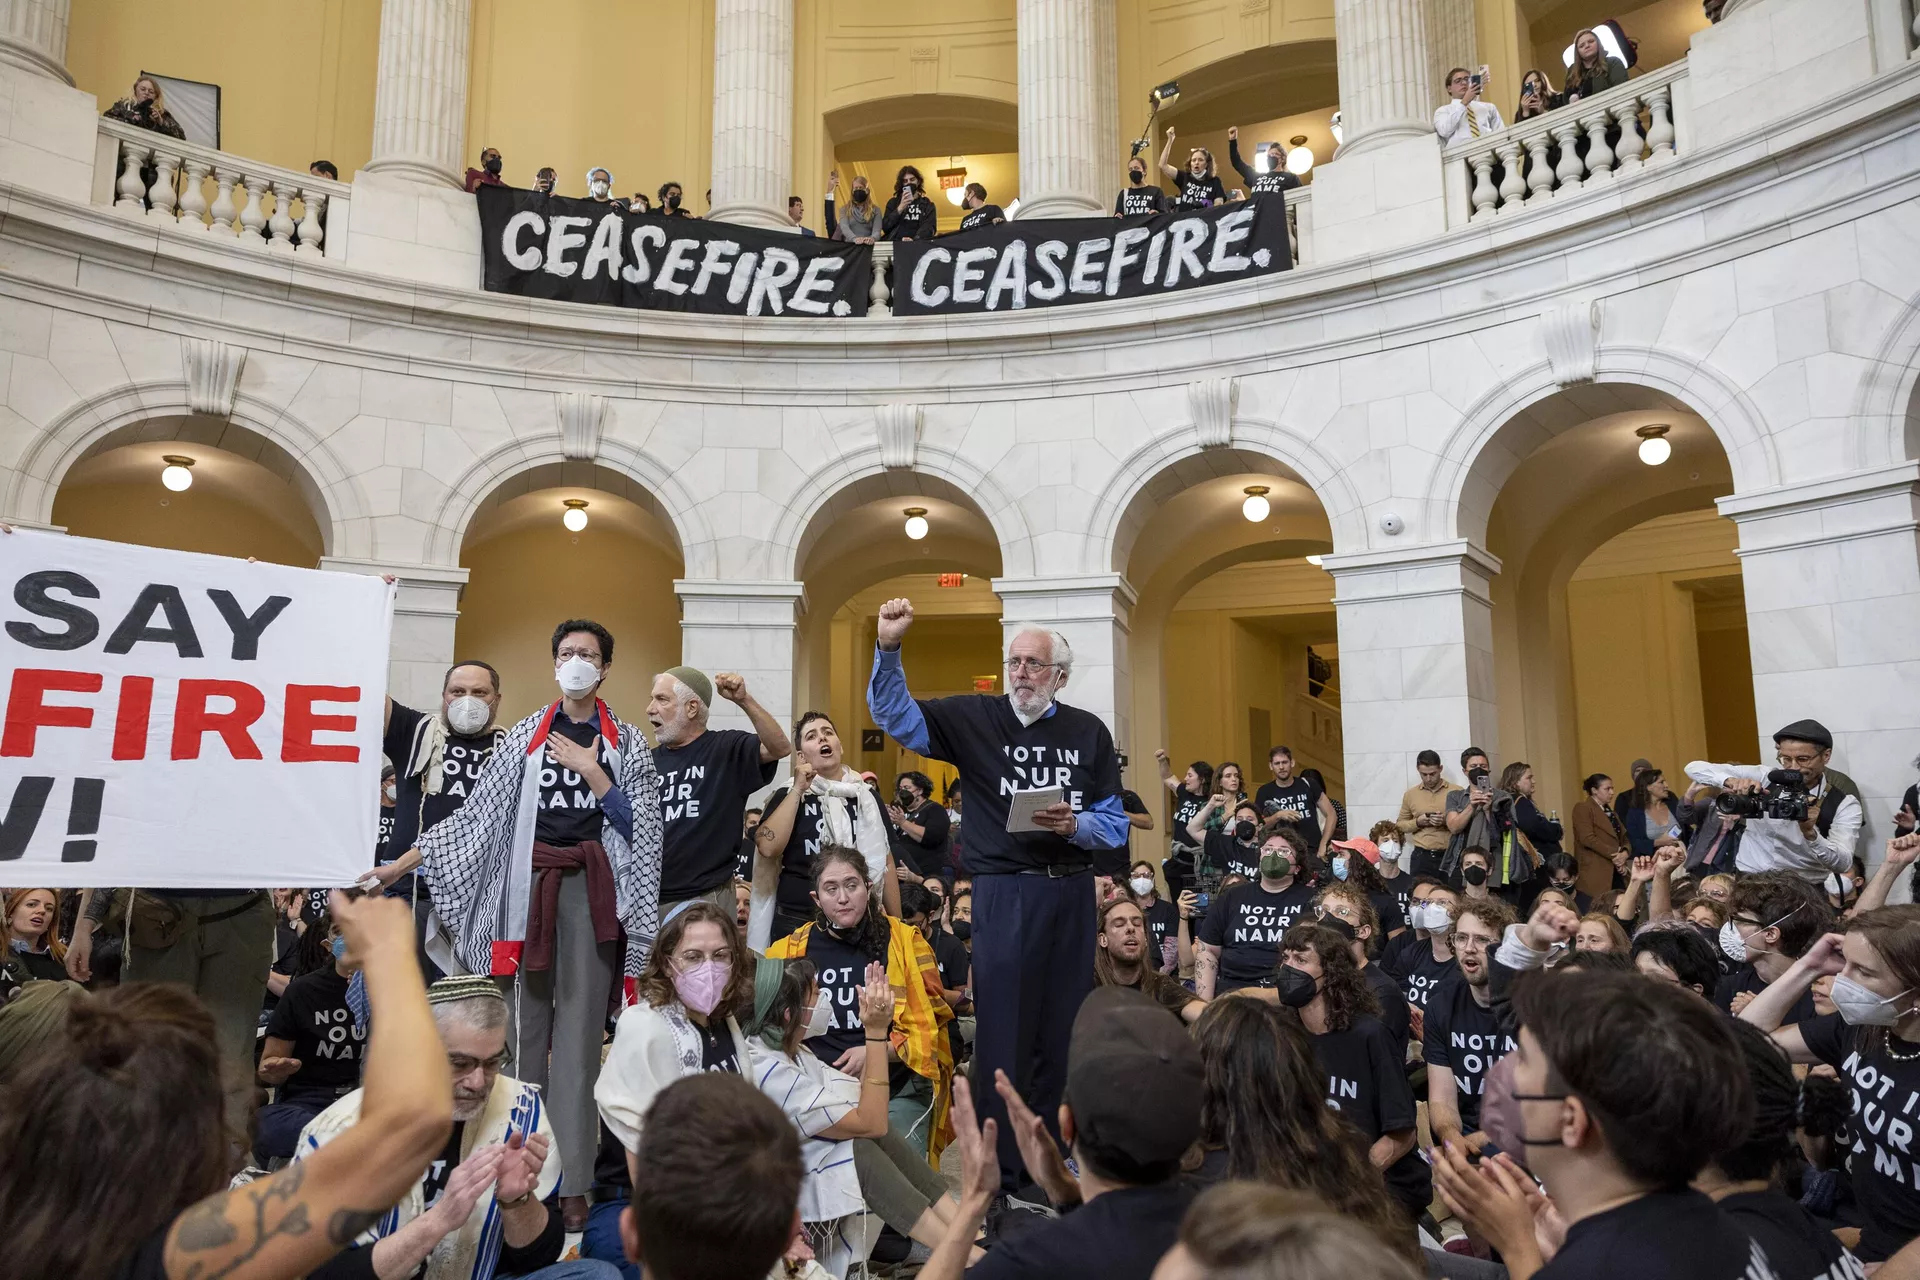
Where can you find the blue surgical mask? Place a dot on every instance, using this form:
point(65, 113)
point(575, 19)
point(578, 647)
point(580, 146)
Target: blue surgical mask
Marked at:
point(339, 947)
point(1340, 868)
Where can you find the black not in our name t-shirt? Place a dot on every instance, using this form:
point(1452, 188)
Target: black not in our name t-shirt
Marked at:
point(1229, 855)
point(1138, 201)
point(1797, 1247)
point(460, 763)
point(1246, 923)
point(1185, 807)
point(1409, 960)
point(1198, 192)
point(1296, 796)
point(1367, 1085)
point(997, 755)
point(717, 1050)
point(704, 787)
point(985, 216)
point(569, 811)
point(1665, 1235)
point(1885, 1158)
point(313, 1016)
point(1163, 924)
point(842, 970)
point(810, 834)
point(1396, 1012)
point(1466, 1039)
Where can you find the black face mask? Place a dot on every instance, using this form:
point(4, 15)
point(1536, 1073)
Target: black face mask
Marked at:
point(1136, 176)
point(1243, 831)
point(1295, 989)
point(963, 929)
point(492, 166)
point(673, 201)
point(861, 195)
point(1338, 925)
point(905, 799)
point(1564, 886)
point(1474, 875)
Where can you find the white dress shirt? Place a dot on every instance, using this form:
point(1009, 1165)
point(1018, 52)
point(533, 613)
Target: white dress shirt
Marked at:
point(1450, 121)
point(1774, 844)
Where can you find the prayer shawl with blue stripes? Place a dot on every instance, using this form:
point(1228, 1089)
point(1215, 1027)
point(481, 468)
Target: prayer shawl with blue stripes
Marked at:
point(472, 1252)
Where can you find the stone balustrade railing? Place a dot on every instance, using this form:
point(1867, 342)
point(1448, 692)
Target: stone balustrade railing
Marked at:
point(1299, 237)
point(1579, 147)
point(155, 178)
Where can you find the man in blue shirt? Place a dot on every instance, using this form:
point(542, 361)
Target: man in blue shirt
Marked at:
point(1033, 907)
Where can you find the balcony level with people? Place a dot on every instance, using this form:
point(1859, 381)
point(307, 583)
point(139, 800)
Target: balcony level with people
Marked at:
point(1632, 371)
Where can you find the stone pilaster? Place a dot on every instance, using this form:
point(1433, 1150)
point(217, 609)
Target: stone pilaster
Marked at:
point(1068, 107)
point(425, 610)
point(747, 627)
point(1384, 72)
point(33, 36)
point(752, 112)
point(420, 97)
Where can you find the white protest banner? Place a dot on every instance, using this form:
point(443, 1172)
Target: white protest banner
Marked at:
point(184, 721)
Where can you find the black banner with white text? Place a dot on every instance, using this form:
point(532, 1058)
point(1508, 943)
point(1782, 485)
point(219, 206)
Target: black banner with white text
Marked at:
point(1062, 261)
point(540, 246)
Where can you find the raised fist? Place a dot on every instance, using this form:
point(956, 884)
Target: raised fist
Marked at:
point(896, 616)
point(730, 686)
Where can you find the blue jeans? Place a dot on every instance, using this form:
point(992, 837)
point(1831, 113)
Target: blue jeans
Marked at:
point(584, 1269)
point(602, 1239)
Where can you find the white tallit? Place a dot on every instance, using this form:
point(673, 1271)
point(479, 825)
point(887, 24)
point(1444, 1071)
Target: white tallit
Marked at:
point(851, 816)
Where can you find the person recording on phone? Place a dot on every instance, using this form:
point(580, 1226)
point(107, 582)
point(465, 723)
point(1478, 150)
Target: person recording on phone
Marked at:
point(1277, 180)
point(1802, 824)
point(910, 215)
point(1466, 116)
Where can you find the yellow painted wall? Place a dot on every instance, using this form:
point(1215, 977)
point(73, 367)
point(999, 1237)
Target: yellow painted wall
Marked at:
point(524, 583)
point(1504, 37)
point(1165, 39)
point(1663, 29)
point(198, 520)
point(578, 83)
point(296, 80)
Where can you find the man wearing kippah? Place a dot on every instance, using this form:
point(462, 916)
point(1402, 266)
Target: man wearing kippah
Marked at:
point(1820, 843)
point(706, 776)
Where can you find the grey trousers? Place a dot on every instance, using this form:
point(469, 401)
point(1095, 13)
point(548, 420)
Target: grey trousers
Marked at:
point(557, 1024)
point(224, 961)
point(896, 1180)
point(721, 897)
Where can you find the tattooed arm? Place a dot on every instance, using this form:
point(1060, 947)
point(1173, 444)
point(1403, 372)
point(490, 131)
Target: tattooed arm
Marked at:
point(289, 1224)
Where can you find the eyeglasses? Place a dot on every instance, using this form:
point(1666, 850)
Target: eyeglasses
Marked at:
point(591, 655)
point(1470, 941)
point(1799, 762)
point(691, 957)
point(1034, 665)
point(463, 1065)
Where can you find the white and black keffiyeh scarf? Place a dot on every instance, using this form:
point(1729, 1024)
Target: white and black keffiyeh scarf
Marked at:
point(479, 859)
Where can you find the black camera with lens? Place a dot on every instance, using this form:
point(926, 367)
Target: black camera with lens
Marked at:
point(1206, 883)
point(1786, 797)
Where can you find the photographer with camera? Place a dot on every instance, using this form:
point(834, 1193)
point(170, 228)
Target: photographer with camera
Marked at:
point(1795, 818)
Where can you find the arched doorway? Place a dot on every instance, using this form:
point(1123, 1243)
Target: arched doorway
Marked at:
point(244, 495)
point(1619, 621)
point(528, 571)
point(1233, 640)
point(976, 139)
point(854, 555)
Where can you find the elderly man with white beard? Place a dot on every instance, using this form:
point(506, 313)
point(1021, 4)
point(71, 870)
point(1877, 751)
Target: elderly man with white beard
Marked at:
point(1033, 905)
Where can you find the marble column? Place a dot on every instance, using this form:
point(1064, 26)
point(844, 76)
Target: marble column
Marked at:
point(752, 112)
point(1831, 573)
point(1451, 42)
point(1092, 612)
point(420, 96)
point(1416, 665)
point(1381, 47)
point(33, 36)
point(425, 610)
point(1069, 159)
point(745, 626)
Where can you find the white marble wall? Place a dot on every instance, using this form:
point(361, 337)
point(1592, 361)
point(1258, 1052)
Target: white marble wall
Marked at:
point(747, 627)
point(1091, 611)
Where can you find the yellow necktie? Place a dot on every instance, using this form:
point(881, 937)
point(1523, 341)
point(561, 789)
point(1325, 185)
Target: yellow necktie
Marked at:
point(1473, 123)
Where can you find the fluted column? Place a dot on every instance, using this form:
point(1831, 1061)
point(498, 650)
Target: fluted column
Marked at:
point(33, 35)
point(752, 111)
point(1382, 50)
point(1068, 109)
point(420, 99)
point(1451, 42)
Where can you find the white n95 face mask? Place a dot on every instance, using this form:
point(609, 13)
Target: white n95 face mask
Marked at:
point(819, 1019)
point(1142, 887)
point(1860, 1007)
point(468, 714)
point(576, 675)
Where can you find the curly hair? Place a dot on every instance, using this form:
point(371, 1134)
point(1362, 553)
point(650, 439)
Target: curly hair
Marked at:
point(655, 983)
point(1264, 1102)
point(1345, 993)
point(874, 934)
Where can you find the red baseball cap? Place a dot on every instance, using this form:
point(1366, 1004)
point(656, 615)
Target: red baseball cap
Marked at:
point(1362, 846)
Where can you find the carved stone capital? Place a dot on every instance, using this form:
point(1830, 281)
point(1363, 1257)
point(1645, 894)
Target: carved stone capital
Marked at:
point(582, 417)
point(213, 374)
point(898, 426)
point(1212, 402)
point(1571, 334)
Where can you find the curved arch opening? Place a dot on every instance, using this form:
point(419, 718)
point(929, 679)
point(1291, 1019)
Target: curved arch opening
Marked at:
point(931, 131)
point(855, 555)
point(248, 496)
point(1233, 640)
point(528, 572)
point(1619, 620)
point(1272, 94)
